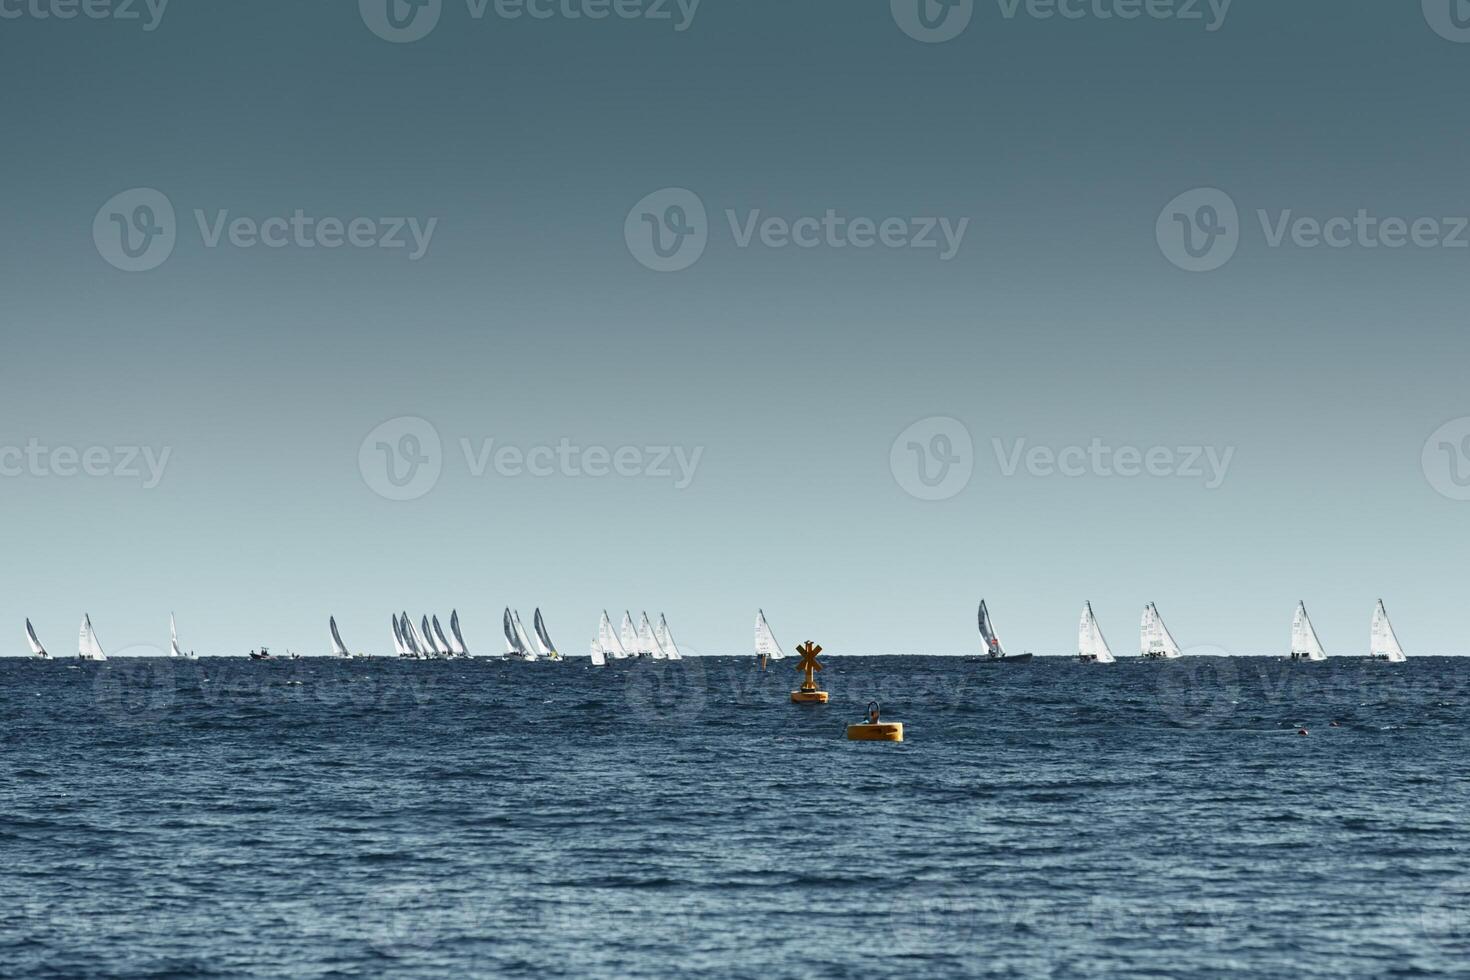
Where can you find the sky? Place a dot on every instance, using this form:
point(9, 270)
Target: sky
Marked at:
point(802, 307)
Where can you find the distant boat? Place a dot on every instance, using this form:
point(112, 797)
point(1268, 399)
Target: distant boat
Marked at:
point(543, 639)
point(665, 640)
point(766, 647)
point(399, 647)
point(264, 654)
point(606, 646)
point(173, 642)
point(456, 638)
point(421, 641)
point(36, 649)
point(1385, 645)
point(88, 648)
point(339, 649)
point(1155, 643)
point(517, 647)
point(993, 650)
point(628, 636)
point(1091, 647)
point(648, 647)
point(1304, 642)
point(441, 642)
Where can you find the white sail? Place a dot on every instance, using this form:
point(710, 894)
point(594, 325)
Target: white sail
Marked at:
point(1155, 642)
point(987, 633)
point(173, 641)
point(36, 648)
point(543, 638)
point(339, 649)
point(607, 644)
point(523, 640)
point(647, 642)
point(421, 634)
point(88, 648)
point(1304, 642)
point(599, 659)
point(1385, 645)
point(456, 638)
point(1091, 646)
point(399, 647)
point(765, 641)
point(441, 642)
point(629, 635)
point(665, 640)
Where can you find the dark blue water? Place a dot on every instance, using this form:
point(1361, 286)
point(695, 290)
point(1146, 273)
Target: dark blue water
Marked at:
point(316, 818)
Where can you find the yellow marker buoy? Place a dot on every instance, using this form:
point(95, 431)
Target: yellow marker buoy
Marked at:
point(874, 730)
point(809, 693)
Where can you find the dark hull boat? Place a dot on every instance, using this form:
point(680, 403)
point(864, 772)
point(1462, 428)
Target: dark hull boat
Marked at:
point(994, 654)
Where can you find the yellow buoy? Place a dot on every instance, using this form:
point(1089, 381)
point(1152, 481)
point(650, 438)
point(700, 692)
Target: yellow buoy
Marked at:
point(809, 693)
point(874, 730)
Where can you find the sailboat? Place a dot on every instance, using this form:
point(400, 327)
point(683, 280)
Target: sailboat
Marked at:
point(544, 645)
point(421, 638)
point(1091, 647)
point(517, 647)
point(1385, 645)
point(993, 651)
point(1155, 643)
point(606, 647)
point(648, 643)
point(173, 642)
point(1304, 642)
point(665, 640)
point(441, 642)
point(339, 649)
point(87, 646)
point(628, 635)
point(766, 647)
point(36, 649)
point(456, 638)
point(399, 647)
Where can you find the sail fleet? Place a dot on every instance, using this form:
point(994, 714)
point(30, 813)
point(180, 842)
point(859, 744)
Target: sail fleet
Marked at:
point(427, 639)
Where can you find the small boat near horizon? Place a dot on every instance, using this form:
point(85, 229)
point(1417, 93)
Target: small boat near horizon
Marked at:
point(1155, 641)
point(1304, 642)
point(994, 653)
point(517, 644)
point(665, 640)
point(88, 646)
point(628, 635)
point(544, 646)
point(648, 647)
point(766, 647)
point(1383, 642)
point(174, 650)
point(1091, 647)
point(339, 649)
point(606, 646)
point(37, 650)
point(457, 644)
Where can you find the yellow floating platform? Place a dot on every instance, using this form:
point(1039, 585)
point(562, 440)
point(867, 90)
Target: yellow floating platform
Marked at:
point(808, 697)
point(883, 731)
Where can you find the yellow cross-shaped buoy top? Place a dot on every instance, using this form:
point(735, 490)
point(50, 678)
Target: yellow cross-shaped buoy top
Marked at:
point(808, 651)
point(809, 693)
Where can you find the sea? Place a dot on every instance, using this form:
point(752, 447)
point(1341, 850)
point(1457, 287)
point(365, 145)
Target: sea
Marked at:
point(1207, 817)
